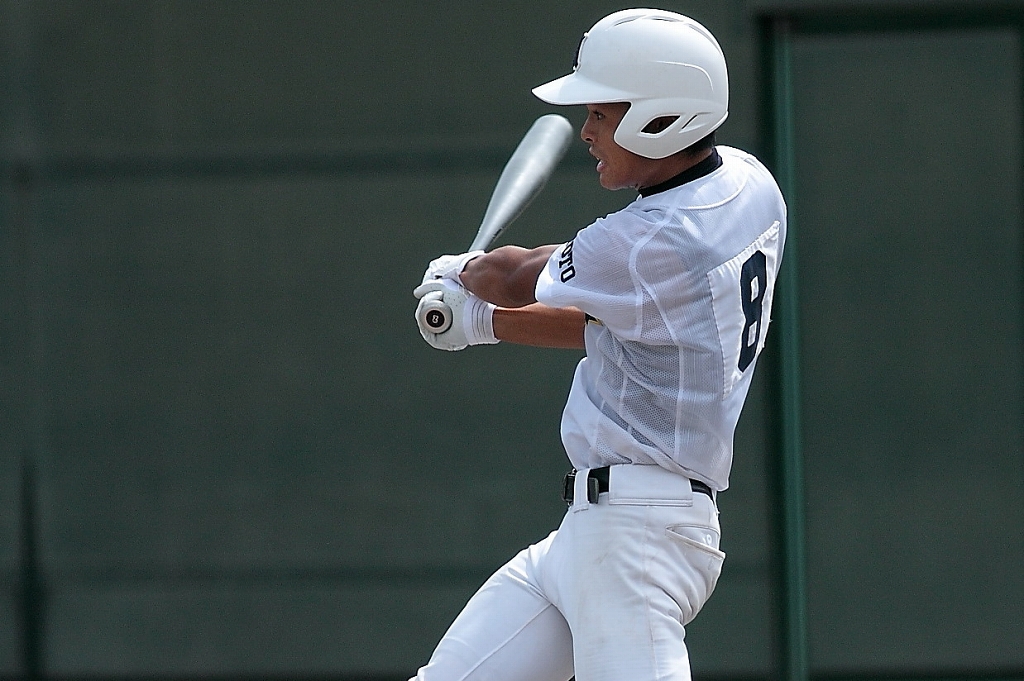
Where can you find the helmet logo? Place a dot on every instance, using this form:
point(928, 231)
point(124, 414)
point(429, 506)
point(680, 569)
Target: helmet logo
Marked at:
point(579, 51)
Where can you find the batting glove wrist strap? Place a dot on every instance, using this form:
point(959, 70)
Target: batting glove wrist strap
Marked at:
point(478, 321)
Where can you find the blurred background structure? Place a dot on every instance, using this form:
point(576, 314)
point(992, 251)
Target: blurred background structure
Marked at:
point(226, 453)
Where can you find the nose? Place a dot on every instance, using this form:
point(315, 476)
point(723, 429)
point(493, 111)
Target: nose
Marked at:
point(586, 134)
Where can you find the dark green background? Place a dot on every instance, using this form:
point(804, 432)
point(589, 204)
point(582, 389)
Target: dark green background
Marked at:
point(225, 451)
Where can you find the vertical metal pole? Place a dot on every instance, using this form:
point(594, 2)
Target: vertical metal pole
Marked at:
point(21, 162)
point(31, 595)
point(790, 485)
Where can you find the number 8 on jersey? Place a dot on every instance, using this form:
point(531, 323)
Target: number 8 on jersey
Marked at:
point(742, 292)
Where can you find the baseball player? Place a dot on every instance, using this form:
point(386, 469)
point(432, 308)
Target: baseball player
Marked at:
point(671, 298)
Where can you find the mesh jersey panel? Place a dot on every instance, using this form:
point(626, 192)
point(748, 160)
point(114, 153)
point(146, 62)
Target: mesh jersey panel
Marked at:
point(663, 276)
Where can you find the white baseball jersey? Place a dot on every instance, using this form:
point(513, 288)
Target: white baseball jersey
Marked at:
point(680, 283)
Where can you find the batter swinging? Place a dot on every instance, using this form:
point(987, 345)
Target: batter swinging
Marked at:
point(671, 297)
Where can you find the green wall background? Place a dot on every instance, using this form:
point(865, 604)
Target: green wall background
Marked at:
point(226, 451)
point(911, 276)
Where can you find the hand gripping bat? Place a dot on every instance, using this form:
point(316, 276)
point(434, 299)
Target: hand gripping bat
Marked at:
point(524, 175)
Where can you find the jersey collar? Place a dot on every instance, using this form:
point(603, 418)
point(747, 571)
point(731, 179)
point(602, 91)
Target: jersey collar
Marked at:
point(705, 167)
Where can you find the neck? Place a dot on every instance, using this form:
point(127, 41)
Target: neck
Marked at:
point(669, 167)
point(700, 165)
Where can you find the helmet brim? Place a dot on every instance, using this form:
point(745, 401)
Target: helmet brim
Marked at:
point(575, 89)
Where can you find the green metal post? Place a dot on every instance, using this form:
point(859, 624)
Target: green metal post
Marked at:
point(792, 551)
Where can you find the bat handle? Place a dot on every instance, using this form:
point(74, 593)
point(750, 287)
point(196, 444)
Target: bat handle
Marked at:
point(435, 315)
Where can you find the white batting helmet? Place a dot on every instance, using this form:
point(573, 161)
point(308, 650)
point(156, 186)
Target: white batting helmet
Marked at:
point(664, 64)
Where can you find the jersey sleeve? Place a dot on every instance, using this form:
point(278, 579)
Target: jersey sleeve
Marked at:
point(592, 273)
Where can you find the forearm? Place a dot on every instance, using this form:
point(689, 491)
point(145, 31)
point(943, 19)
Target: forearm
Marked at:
point(506, 276)
point(541, 326)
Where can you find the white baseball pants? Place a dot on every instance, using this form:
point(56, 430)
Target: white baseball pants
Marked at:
point(605, 597)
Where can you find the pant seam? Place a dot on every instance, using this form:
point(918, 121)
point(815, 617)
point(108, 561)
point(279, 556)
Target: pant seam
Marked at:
point(504, 643)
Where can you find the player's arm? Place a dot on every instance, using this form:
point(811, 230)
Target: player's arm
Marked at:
point(541, 326)
point(507, 276)
point(503, 283)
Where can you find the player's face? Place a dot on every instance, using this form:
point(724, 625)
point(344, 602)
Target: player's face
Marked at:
point(616, 167)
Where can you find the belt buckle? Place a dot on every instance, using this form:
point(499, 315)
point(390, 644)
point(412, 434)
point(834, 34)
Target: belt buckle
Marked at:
point(569, 491)
point(568, 482)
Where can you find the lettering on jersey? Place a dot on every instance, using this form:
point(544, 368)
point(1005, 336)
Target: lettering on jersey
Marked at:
point(566, 271)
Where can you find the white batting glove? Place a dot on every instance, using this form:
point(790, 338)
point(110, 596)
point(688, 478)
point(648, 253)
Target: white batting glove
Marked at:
point(448, 266)
point(472, 317)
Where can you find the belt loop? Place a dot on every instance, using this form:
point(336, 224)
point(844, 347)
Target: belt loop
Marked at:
point(580, 502)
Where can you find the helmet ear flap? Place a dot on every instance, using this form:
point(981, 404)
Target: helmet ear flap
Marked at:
point(649, 130)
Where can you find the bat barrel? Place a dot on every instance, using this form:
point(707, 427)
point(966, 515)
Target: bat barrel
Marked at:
point(527, 171)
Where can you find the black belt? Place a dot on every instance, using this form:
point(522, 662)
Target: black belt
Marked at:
point(597, 482)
